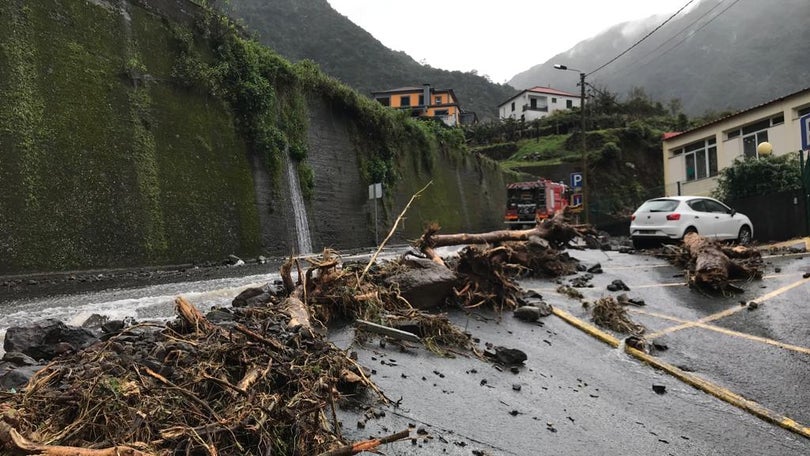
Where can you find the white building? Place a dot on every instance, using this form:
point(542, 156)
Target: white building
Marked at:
point(536, 103)
point(693, 159)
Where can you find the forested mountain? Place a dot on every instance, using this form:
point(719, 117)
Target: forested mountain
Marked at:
point(311, 29)
point(720, 55)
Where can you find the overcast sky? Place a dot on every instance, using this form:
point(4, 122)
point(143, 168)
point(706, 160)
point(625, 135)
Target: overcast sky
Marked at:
point(498, 38)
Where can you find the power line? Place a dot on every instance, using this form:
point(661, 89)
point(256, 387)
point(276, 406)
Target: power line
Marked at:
point(693, 33)
point(633, 63)
point(642, 39)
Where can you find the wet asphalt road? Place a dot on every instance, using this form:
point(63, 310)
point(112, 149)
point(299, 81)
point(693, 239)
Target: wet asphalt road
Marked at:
point(576, 395)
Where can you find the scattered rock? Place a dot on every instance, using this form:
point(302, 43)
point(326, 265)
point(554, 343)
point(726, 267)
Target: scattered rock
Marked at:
point(507, 356)
point(18, 377)
point(19, 359)
point(799, 247)
point(618, 285)
point(753, 305)
point(46, 339)
point(527, 313)
point(638, 343)
point(233, 260)
point(596, 269)
point(424, 287)
point(659, 389)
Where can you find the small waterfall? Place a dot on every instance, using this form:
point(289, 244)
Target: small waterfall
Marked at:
point(299, 210)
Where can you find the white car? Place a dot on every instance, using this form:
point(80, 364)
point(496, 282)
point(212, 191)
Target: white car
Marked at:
point(671, 217)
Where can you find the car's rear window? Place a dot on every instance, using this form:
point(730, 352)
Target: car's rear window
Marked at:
point(661, 205)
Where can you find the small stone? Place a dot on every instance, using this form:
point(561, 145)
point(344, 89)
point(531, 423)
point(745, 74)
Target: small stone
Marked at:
point(516, 387)
point(777, 270)
point(361, 425)
point(752, 305)
point(805, 275)
point(659, 389)
point(527, 313)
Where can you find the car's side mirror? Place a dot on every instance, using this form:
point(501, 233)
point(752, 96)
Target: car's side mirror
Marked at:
point(733, 211)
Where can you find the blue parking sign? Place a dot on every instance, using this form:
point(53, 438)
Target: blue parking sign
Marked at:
point(804, 125)
point(576, 180)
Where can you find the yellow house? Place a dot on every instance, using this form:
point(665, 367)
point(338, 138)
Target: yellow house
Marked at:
point(424, 101)
point(694, 158)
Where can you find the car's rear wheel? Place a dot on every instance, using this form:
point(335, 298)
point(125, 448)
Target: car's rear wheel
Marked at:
point(691, 229)
point(744, 238)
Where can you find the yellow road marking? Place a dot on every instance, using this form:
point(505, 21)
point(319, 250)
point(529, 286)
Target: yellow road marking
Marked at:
point(691, 379)
point(730, 332)
point(729, 311)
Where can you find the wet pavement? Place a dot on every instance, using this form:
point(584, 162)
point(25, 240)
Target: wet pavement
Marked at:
point(578, 395)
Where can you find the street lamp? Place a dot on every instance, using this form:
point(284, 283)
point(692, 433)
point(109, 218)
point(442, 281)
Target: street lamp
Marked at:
point(582, 128)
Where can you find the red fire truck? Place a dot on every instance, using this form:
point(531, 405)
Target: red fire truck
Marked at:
point(529, 202)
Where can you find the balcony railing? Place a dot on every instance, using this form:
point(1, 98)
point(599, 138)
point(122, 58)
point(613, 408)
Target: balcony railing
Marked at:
point(536, 108)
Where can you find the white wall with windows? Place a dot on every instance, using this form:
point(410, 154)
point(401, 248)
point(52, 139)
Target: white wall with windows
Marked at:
point(536, 103)
point(694, 158)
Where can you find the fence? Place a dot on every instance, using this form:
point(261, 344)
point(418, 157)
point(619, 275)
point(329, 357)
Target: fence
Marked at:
point(776, 217)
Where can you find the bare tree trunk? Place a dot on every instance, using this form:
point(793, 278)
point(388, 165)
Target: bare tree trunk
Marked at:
point(713, 268)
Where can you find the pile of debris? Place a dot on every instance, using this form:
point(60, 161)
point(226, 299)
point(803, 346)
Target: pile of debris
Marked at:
point(260, 377)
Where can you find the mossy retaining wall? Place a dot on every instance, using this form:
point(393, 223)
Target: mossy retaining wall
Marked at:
point(106, 161)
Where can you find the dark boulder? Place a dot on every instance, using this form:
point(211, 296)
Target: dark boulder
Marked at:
point(425, 284)
point(17, 377)
point(46, 339)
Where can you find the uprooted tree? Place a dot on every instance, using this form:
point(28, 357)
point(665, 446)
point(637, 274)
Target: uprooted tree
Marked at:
point(713, 267)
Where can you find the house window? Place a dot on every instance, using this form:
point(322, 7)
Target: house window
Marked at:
point(553, 100)
point(405, 100)
point(700, 159)
point(513, 106)
point(751, 141)
point(385, 101)
point(754, 134)
point(421, 100)
point(533, 103)
point(569, 104)
point(437, 100)
point(440, 112)
point(803, 111)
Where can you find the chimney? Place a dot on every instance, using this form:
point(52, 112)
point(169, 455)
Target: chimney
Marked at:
point(426, 94)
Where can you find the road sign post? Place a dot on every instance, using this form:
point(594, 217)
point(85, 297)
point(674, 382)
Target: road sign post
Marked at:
point(804, 127)
point(375, 193)
point(804, 133)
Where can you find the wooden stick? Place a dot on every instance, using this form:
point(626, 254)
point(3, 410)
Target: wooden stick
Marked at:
point(365, 445)
point(10, 437)
point(193, 316)
point(391, 232)
point(387, 331)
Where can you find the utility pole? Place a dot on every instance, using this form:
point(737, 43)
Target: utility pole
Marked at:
point(584, 145)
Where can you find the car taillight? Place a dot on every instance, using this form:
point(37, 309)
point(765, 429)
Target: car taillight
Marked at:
point(675, 216)
point(632, 217)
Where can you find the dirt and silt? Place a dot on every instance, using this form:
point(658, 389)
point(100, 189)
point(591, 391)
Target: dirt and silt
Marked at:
point(260, 377)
